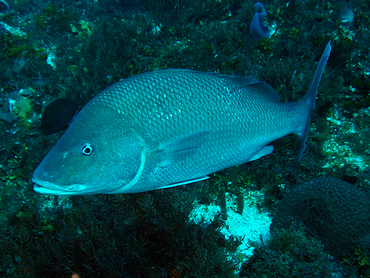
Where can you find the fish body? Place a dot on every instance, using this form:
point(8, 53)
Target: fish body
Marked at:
point(346, 15)
point(170, 127)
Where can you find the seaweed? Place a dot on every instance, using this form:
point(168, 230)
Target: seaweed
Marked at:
point(143, 235)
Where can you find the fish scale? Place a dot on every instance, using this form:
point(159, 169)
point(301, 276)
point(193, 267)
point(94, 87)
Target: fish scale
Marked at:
point(170, 127)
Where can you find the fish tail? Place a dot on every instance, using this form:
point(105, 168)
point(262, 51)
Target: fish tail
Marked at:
point(308, 101)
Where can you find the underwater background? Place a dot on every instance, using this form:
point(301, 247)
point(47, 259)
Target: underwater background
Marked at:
point(67, 49)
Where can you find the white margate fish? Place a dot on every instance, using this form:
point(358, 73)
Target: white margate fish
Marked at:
point(170, 127)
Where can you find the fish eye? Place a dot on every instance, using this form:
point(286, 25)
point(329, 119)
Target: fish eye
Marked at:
point(86, 149)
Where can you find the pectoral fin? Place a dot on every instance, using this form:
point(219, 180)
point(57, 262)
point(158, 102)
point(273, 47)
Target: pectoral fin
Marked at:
point(264, 151)
point(178, 149)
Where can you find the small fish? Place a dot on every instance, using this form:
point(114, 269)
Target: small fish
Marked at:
point(346, 15)
point(170, 127)
point(258, 29)
point(58, 115)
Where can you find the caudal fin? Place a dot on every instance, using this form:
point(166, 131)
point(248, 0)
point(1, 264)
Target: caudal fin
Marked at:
point(309, 98)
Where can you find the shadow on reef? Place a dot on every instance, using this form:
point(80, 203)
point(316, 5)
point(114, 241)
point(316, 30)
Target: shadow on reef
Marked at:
point(139, 235)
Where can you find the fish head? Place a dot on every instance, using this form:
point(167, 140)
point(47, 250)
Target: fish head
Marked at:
point(96, 155)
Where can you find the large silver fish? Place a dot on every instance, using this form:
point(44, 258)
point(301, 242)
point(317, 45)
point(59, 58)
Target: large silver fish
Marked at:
point(170, 127)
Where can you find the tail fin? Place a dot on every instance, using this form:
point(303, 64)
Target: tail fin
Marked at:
point(309, 98)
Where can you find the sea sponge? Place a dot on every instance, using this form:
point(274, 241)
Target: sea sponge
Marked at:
point(331, 210)
point(22, 108)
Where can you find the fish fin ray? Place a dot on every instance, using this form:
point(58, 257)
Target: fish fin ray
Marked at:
point(259, 87)
point(309, 99)
point(267, 91)
point(183, 182)
point(180, 148)
point(250, 84)
point(246, 83)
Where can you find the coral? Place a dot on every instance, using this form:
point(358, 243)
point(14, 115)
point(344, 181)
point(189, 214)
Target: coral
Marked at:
point(23, 109)
point(83, 30)
point(333, 211)
point(55, 19)
point(12, 45)
point(17, 45)
point(289, 253)
point(104, 235)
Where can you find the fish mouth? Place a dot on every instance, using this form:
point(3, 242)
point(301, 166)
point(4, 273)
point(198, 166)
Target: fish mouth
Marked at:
point(48, 188)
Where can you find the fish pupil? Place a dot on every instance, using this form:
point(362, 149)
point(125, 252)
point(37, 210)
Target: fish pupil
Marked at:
point(86, 149)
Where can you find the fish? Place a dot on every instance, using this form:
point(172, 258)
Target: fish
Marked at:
point(346, 15)
point(171, 127)
point(58, 115)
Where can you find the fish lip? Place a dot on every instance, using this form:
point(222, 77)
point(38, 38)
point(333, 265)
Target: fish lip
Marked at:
point(48, 188)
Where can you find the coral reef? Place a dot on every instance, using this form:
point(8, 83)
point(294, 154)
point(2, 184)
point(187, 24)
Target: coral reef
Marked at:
point(76, 49)
point(333, 211)
point(289, 253)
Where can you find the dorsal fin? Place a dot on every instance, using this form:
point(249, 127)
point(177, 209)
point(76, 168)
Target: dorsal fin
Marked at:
point(247, 83)
point(259, 87)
